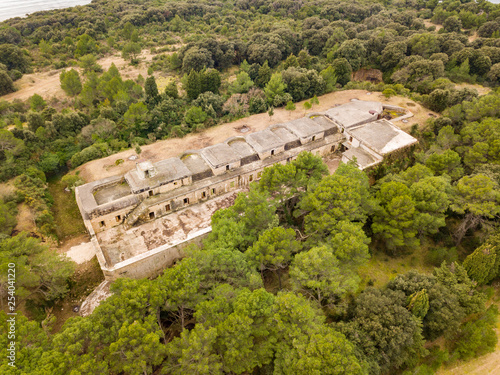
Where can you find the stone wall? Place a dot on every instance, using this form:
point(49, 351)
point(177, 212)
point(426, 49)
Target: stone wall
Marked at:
point(152, 263)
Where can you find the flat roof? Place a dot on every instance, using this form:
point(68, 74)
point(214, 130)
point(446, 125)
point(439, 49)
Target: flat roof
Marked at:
point(363, 158)
point(264, 140)
point(283, 133)
point(324, 122)
point(355, 112)
point(167, 170)
point(219, 155)
point(382, 136)
point(241, 147)
point(194, 162)
point(304, 127)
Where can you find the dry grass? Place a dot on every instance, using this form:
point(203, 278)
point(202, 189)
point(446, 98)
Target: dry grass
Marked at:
point(47, 83)
point(382, 268)
point(7, 188)
point(67, 216)
point(25, 219)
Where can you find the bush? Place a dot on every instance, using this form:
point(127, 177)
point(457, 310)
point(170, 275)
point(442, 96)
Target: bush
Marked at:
point(87, 154)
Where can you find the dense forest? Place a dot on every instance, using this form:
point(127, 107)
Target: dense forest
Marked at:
point(280, 285)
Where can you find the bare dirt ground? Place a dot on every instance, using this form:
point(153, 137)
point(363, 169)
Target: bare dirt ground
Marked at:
point(473, 37)
point(47, 84)
point(428, 23)
point(102, 168)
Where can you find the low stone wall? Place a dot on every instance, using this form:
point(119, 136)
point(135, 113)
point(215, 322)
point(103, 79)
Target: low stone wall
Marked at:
point(152, 263)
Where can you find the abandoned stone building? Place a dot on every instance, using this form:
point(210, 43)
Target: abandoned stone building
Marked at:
point(139, 222)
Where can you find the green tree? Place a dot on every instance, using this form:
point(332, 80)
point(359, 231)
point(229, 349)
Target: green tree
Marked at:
point(274, 87)
point(452, 24)
point(37, 103)
point(349, 243)
point(318, 275)
point(35, 121)
point(482, 264)
point(194, 352)
point(290, 106)
point(306, 106)
point(138, 347)
point(477, 337)
point(89, 64)
point(394, 220)
point(14, 58)
point(418, 303)
point(386, 332)
point(393, 54)
point(342, 70)
point(70, 82)
point(446, 162)
point(223, 266)
point(131, 50)
point(477, 197)
point(40, 272)
point(194, 116)
point(197, 59)
point(135, 114)
point(180, 284)
point(6, 84)
point(344, 195)
point(8, 221)
point(432, 199)
point(9, 143)
point(210, 81)
point(171, 90)
point(192, 84)
point(85, 45)
point(323, 352)
point(264, 75)
point(151, 91)
point(235, 333)
point(274, 250)
point(353, 51)
point(241, 85)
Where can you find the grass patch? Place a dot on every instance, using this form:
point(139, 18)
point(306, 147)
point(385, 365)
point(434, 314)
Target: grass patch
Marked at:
point(67, 216)
point(381, 268)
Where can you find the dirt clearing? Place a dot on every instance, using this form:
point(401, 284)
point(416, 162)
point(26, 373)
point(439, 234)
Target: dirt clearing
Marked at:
point(98, 169)
point(47, 84)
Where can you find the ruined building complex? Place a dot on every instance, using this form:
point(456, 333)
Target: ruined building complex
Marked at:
point(140, 221)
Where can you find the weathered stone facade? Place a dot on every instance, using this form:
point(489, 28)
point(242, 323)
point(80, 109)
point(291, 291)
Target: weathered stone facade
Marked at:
point(140, 222)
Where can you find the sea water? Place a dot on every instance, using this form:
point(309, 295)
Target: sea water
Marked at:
point(19, 8)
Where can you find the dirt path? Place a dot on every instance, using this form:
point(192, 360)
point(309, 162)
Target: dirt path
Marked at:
point(97, 169)
point(47, 84)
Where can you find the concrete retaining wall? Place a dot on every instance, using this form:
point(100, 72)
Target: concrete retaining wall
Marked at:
point(151, 263)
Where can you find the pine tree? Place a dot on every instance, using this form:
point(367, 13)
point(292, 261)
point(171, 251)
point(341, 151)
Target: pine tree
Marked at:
point(418, 303)
point(193, 85)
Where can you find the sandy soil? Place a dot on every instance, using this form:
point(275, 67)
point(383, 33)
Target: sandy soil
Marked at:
point(102, 168)
point(47, 84)
point(81, 253)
